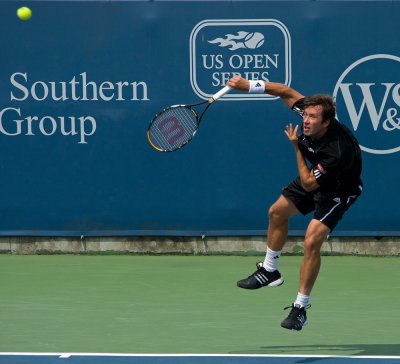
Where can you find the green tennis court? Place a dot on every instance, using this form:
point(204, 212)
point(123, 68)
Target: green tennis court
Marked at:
point(190, 304)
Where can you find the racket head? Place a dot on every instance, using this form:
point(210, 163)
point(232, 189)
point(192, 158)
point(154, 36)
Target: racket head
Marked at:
point(172, 128)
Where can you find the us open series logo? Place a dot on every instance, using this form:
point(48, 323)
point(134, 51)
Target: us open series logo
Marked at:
point(257, 49)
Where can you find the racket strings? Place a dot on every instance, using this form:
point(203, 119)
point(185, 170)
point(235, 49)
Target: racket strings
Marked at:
point(173, 128)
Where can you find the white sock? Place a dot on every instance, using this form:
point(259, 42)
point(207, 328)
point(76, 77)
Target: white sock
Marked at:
point(302, 300)
point(271, 260)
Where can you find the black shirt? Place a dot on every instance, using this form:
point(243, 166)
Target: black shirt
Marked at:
point(335, 158)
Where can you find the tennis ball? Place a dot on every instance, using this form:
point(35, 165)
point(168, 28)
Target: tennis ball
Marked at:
point(24, 13)
point(254, 40)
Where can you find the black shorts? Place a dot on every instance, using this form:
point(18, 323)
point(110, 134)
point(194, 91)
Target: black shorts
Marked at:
point(328, 208)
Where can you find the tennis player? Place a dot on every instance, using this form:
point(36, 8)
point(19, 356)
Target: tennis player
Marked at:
point(329, 166)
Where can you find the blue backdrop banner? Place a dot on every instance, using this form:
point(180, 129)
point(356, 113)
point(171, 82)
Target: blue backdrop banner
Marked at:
point(80, 81)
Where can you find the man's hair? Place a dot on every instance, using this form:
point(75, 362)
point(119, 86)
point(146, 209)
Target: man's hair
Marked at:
point(327, 103)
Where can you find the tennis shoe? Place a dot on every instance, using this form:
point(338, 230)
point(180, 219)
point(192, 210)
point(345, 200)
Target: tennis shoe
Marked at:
point(297, 317)
point(260, 278)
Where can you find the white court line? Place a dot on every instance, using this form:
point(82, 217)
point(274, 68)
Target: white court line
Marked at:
point(67, 355)
point(64, 356)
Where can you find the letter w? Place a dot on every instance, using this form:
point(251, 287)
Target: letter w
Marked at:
point(171, 129)
point(367, 101)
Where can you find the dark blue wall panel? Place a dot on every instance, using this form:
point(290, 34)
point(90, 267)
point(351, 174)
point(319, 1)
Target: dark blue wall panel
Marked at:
point(80, 81)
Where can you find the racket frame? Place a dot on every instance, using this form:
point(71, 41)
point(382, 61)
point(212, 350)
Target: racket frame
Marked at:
point(211, 100)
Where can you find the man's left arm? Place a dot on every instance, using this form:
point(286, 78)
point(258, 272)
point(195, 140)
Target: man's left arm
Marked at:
point(307, 178)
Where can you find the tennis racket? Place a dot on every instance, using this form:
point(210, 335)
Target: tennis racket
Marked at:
point(175, 126)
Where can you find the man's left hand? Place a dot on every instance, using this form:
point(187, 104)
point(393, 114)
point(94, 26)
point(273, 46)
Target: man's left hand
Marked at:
point(291, 133)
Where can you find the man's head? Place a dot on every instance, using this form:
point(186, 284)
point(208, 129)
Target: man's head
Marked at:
point(319, 110)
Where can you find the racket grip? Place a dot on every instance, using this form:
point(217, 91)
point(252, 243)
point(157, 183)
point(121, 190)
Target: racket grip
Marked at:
point(219, 94)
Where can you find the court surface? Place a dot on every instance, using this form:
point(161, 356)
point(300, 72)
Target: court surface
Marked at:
point(148, 305)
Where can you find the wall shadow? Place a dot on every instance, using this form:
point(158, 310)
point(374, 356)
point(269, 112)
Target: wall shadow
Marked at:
point(354, 349)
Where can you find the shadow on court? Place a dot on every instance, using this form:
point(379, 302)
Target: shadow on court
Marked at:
point(356, 349)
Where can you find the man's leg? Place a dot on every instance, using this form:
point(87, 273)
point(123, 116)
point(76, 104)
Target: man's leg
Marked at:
point(279, 214)
point(267, 273)
point(309, 269)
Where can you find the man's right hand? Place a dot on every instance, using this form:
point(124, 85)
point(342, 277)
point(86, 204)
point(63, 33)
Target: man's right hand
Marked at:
point(239, 83)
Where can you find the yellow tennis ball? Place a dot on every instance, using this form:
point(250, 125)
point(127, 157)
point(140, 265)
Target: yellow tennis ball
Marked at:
point(24, 13)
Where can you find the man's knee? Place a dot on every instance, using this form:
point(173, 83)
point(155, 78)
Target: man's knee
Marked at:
point(315, 237)
point(277, 215)
point(312, 244)
point(281, 210)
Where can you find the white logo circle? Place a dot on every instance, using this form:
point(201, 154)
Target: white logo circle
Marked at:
point(374, 91)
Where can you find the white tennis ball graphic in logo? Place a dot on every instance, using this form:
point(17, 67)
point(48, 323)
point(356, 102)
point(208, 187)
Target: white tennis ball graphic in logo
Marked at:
point(253, 40)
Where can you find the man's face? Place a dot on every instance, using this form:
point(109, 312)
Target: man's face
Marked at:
point(313, 124)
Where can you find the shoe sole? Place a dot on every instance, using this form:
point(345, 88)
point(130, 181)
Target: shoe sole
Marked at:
point(276, 283)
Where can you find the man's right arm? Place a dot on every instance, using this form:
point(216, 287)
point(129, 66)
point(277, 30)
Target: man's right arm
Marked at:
point(288, 95)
